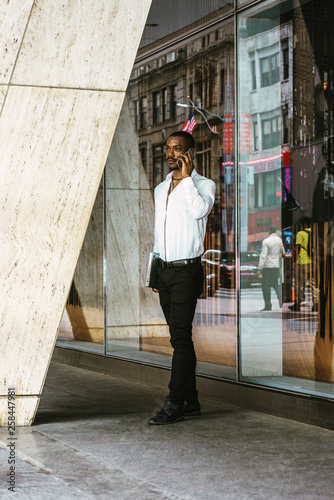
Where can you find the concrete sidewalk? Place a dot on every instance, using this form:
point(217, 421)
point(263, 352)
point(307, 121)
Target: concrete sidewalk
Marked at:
point(91, 440)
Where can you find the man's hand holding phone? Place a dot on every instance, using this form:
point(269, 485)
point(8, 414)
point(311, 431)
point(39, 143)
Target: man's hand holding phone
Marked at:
point(185, 163)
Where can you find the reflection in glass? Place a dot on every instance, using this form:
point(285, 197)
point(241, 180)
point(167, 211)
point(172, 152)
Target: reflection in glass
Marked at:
point(286, 157)
point(198, 75)
point(241, 3)
point(177, 18)
point(83, 320)
point(286, 180)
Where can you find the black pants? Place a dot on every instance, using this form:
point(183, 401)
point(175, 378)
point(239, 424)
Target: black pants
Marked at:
point(179, 289)
point(270, 280)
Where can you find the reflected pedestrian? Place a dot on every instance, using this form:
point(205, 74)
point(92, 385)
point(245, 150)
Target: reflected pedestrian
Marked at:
point(303, 263)
point(271, 253)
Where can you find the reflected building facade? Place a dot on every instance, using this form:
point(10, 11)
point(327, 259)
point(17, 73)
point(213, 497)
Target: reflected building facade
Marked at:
point(259, 82)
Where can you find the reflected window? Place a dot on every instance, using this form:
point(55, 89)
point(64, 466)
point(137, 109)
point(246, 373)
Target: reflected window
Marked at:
point(156, 107)
point(203, 158)
point(269, 189)
point(160, 169)
point(164, 104)
point(135, 114)
point(173, 101)
point(285, 125)
point(253, 74)
point(143, 156)
point(222, 85)
point(191, 91)
point(265, 72)
point(143, 112)
point(255, 135)
point(171, 57)
point(269, 70)
point(271, 132)
point(285, 52)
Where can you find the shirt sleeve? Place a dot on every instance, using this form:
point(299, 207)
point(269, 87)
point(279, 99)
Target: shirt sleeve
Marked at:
point(283, 249)
point(155, 248)
point(300, 239)
point(156, 245)
point(200, 200)
point(263, 255)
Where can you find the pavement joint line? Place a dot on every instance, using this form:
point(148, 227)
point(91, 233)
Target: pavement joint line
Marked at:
point(47, 470)
point(42, 468)
point(27, 458)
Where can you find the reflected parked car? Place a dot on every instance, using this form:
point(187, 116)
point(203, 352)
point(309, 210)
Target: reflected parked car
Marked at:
point(219, 270)
point(211, 261)
point(249, 269)
point(250, 273)
point(227, 271)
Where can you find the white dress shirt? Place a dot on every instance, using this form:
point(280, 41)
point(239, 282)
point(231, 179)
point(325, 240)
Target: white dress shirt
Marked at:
point(181, 216)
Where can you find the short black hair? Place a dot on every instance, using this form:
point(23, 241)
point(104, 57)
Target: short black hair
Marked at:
point(307, 221)
point(272, 229)
point(186, 136)
point(303, 222)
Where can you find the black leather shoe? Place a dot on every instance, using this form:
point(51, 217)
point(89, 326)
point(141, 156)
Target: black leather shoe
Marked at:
point(265, 309)
point(192, 408)
point(169, 414)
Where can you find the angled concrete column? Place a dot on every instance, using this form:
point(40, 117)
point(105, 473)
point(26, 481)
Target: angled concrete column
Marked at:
point(63, 76)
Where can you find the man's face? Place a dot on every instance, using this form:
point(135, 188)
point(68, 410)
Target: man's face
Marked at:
point(175, 147)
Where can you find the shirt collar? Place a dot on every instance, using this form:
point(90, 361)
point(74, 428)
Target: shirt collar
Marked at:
point(171, 175)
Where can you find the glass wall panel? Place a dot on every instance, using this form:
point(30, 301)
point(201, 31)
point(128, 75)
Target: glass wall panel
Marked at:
point(241, 3)
point(286, 158)
point(188, 67)
point(178, 17)
point(82, 324)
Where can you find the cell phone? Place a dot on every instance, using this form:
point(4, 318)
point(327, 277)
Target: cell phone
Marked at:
point(192, 156)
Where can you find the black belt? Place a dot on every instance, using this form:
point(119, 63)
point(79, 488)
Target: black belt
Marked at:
point(180, 263)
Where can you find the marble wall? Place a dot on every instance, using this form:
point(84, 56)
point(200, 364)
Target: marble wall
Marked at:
point(63, 75)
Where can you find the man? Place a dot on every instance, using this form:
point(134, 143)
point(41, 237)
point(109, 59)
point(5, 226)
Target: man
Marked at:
point(182, 205)
point(303, 263)
point(272, 251)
